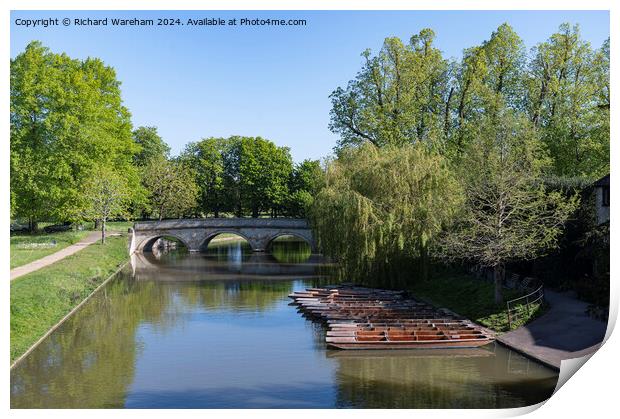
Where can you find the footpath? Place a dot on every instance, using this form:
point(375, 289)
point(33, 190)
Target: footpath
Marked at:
point(55, 257)
point(565, 331)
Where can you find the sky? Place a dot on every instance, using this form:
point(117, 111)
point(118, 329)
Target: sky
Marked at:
point(193, 82)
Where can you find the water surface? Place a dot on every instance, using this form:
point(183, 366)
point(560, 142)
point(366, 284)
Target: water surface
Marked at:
point(216, 330)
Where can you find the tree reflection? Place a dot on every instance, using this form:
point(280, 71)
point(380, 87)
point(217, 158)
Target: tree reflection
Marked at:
point(453, 378)
point(290, 249)
point(89, 361)
point(234, 295)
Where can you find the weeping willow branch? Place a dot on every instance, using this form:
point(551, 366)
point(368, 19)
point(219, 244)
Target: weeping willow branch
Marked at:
point(381, 208)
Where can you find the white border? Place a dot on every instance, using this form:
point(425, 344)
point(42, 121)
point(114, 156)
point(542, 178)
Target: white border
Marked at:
point(591, 393)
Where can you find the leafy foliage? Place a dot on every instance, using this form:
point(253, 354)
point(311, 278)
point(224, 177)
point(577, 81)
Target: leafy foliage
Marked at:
point(380, 205)
point(508, 213)
point(397, 97)
point(150, 144)
point(67, 118)
point(109, 197)
point(410, 93)
point(250, 175)
point(568, 99)
point(171, 187)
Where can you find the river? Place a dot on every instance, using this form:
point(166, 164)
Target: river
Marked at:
point(216, 330)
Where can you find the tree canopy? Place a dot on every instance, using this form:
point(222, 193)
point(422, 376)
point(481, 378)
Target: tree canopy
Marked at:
point(381, 205)
point(497, 124)
point(151, 145)
point(171, 188)
point(508, 214)
point(67, 118)
point(250, 176)
point(409, 93)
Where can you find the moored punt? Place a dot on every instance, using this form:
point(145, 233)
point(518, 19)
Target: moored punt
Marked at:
point(378, 353)
point(367, 318)
point(434, 344)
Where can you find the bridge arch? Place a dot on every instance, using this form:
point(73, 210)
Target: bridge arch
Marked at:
point(146, 245)
point(211, 235)
point(302, 237)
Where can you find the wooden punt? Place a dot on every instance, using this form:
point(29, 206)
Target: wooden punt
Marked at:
point(435, 344)
point(367, 318)
point(474, 352)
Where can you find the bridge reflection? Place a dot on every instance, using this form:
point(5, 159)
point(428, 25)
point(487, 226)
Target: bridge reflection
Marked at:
point(238, 265)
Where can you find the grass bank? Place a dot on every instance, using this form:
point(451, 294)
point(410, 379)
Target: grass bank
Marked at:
point(40, 299)
point(473, 299)
point(26, 248)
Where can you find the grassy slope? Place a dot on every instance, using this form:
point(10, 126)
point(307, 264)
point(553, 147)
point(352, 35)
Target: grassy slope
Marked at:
point(21, 254)
point(471, 298)
point(40, 299)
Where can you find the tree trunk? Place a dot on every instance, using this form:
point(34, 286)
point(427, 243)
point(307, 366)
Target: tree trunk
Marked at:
point(103, 232)
point(424, 259)
point(97, 224)
point(255, 212)
point(498, 278)
point(446, 116)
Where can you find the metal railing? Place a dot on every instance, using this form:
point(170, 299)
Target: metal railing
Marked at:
point(517, 307)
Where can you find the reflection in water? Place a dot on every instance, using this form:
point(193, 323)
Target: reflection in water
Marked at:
point(211, 330)
point(451, 378)
point(289, 249)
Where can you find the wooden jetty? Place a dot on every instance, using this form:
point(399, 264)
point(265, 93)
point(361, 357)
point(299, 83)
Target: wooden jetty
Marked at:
point(369, 318)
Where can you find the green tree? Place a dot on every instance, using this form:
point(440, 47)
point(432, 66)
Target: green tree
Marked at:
point(67, 118)
point(508, 214)
point(489, 78)
point(307, 179)
point(381, 206)
point(206, 158)
point(568, 100)
point(109, 197)
point(240, 174)
point(398, 97)
point(151, 145)
point(263, 173)
point(171, 187)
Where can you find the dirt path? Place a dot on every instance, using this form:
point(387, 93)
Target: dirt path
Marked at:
point(563, 332)
point(55, 257)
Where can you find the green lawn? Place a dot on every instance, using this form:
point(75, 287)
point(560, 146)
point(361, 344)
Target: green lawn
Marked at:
point(118, 226)
point(40, 299)
point(473, 299)
point(26, 248)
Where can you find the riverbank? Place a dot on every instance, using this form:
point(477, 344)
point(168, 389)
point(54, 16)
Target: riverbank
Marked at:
point(565, 331)
point(471, 298)
point(42, 298)
point(26, 248)
point(48, 260)
point(29, 247)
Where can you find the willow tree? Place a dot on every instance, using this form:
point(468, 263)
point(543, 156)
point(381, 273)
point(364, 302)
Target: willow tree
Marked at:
point(383, 206)
point(508, 214)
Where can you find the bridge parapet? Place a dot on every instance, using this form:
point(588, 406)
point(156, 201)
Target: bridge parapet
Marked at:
point(223, 223)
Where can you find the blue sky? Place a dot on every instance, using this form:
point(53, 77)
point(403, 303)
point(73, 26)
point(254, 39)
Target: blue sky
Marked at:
point(274, 82)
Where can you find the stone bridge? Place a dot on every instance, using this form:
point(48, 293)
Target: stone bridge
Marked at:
point(196, 234)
